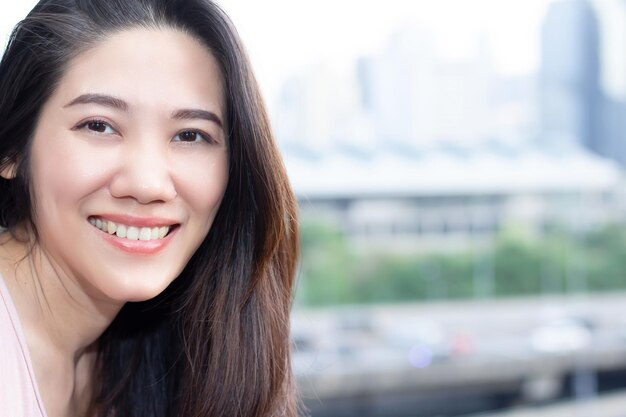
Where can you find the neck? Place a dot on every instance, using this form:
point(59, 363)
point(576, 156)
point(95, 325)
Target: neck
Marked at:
point(61, 322)
point(50, 302)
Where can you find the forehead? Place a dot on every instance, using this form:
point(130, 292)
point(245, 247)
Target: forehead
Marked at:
point(157, 68)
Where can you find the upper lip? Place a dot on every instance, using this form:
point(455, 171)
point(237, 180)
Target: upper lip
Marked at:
point(148, 221)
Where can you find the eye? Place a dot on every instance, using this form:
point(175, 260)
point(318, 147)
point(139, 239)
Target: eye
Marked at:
point(97, 126)
point(191, 136)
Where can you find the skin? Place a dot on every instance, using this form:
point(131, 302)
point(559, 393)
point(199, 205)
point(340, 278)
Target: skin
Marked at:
point(134, 156)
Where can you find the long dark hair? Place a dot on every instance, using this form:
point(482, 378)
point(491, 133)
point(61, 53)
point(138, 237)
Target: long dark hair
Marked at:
point(216, 342)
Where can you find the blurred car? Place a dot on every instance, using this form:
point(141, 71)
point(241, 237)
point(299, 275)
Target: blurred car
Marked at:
point(562, 335)
point(424, 341)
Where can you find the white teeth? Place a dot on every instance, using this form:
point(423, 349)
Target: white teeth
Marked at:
point(121, 231)
point(145, 233)
point(130, 232)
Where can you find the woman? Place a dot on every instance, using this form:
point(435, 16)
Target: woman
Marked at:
point(151, 239)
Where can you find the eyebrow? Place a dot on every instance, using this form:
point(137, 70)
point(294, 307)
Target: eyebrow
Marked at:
point(190, 114)
point(101, 99)
point(119, 104)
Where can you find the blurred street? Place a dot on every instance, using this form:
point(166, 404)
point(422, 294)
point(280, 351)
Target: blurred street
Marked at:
point(610, 405)
point(455, 358)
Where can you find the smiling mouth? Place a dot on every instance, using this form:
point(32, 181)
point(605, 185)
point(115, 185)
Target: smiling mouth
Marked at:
point(131, 232)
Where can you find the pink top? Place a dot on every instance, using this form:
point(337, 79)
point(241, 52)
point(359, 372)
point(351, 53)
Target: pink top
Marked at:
point(19, 396)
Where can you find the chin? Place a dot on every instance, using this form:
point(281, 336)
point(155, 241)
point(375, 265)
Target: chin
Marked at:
point(135, 282)
point(139, 297)
point(136, 293)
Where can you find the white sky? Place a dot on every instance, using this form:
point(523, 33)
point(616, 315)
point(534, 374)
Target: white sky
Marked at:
point(284, 35)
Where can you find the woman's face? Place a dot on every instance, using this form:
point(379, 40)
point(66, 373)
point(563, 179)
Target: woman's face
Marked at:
point(129, 163)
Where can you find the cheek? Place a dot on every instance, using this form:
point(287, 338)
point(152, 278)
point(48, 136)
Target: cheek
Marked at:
point(201, 182)
point(68, 168)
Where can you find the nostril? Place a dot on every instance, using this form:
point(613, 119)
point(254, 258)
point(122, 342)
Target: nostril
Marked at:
point(148, 191)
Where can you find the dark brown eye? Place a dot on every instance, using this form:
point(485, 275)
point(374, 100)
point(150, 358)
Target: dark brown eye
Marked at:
point(188, 136)
point(96, 126)
point(191, 136)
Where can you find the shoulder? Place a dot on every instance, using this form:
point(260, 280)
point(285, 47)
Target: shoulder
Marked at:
point(9, 326)
point(17, 387)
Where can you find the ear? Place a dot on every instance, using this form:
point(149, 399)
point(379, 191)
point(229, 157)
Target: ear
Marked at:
point(8, 169)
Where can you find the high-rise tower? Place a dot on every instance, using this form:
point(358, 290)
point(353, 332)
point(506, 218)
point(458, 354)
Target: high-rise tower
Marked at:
point(570, 93)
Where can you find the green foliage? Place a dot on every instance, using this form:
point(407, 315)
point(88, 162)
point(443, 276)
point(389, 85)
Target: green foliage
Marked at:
point(327, 266)
point(606, 259)
point(515, 264)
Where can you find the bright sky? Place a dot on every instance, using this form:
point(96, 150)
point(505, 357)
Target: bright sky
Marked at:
point(285, 35)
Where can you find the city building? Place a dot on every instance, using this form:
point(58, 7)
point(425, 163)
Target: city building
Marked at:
point(570, 75)
point(447, 196)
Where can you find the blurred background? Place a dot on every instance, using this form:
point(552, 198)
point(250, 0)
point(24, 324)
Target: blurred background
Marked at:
point(460, 171)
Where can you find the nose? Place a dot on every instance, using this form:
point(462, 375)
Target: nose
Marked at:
point(143, 175)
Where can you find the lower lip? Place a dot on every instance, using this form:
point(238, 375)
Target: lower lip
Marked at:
point(144, 247)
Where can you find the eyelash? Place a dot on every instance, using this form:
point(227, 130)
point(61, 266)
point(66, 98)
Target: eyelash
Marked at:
point(85, 125)
point(204, 136)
